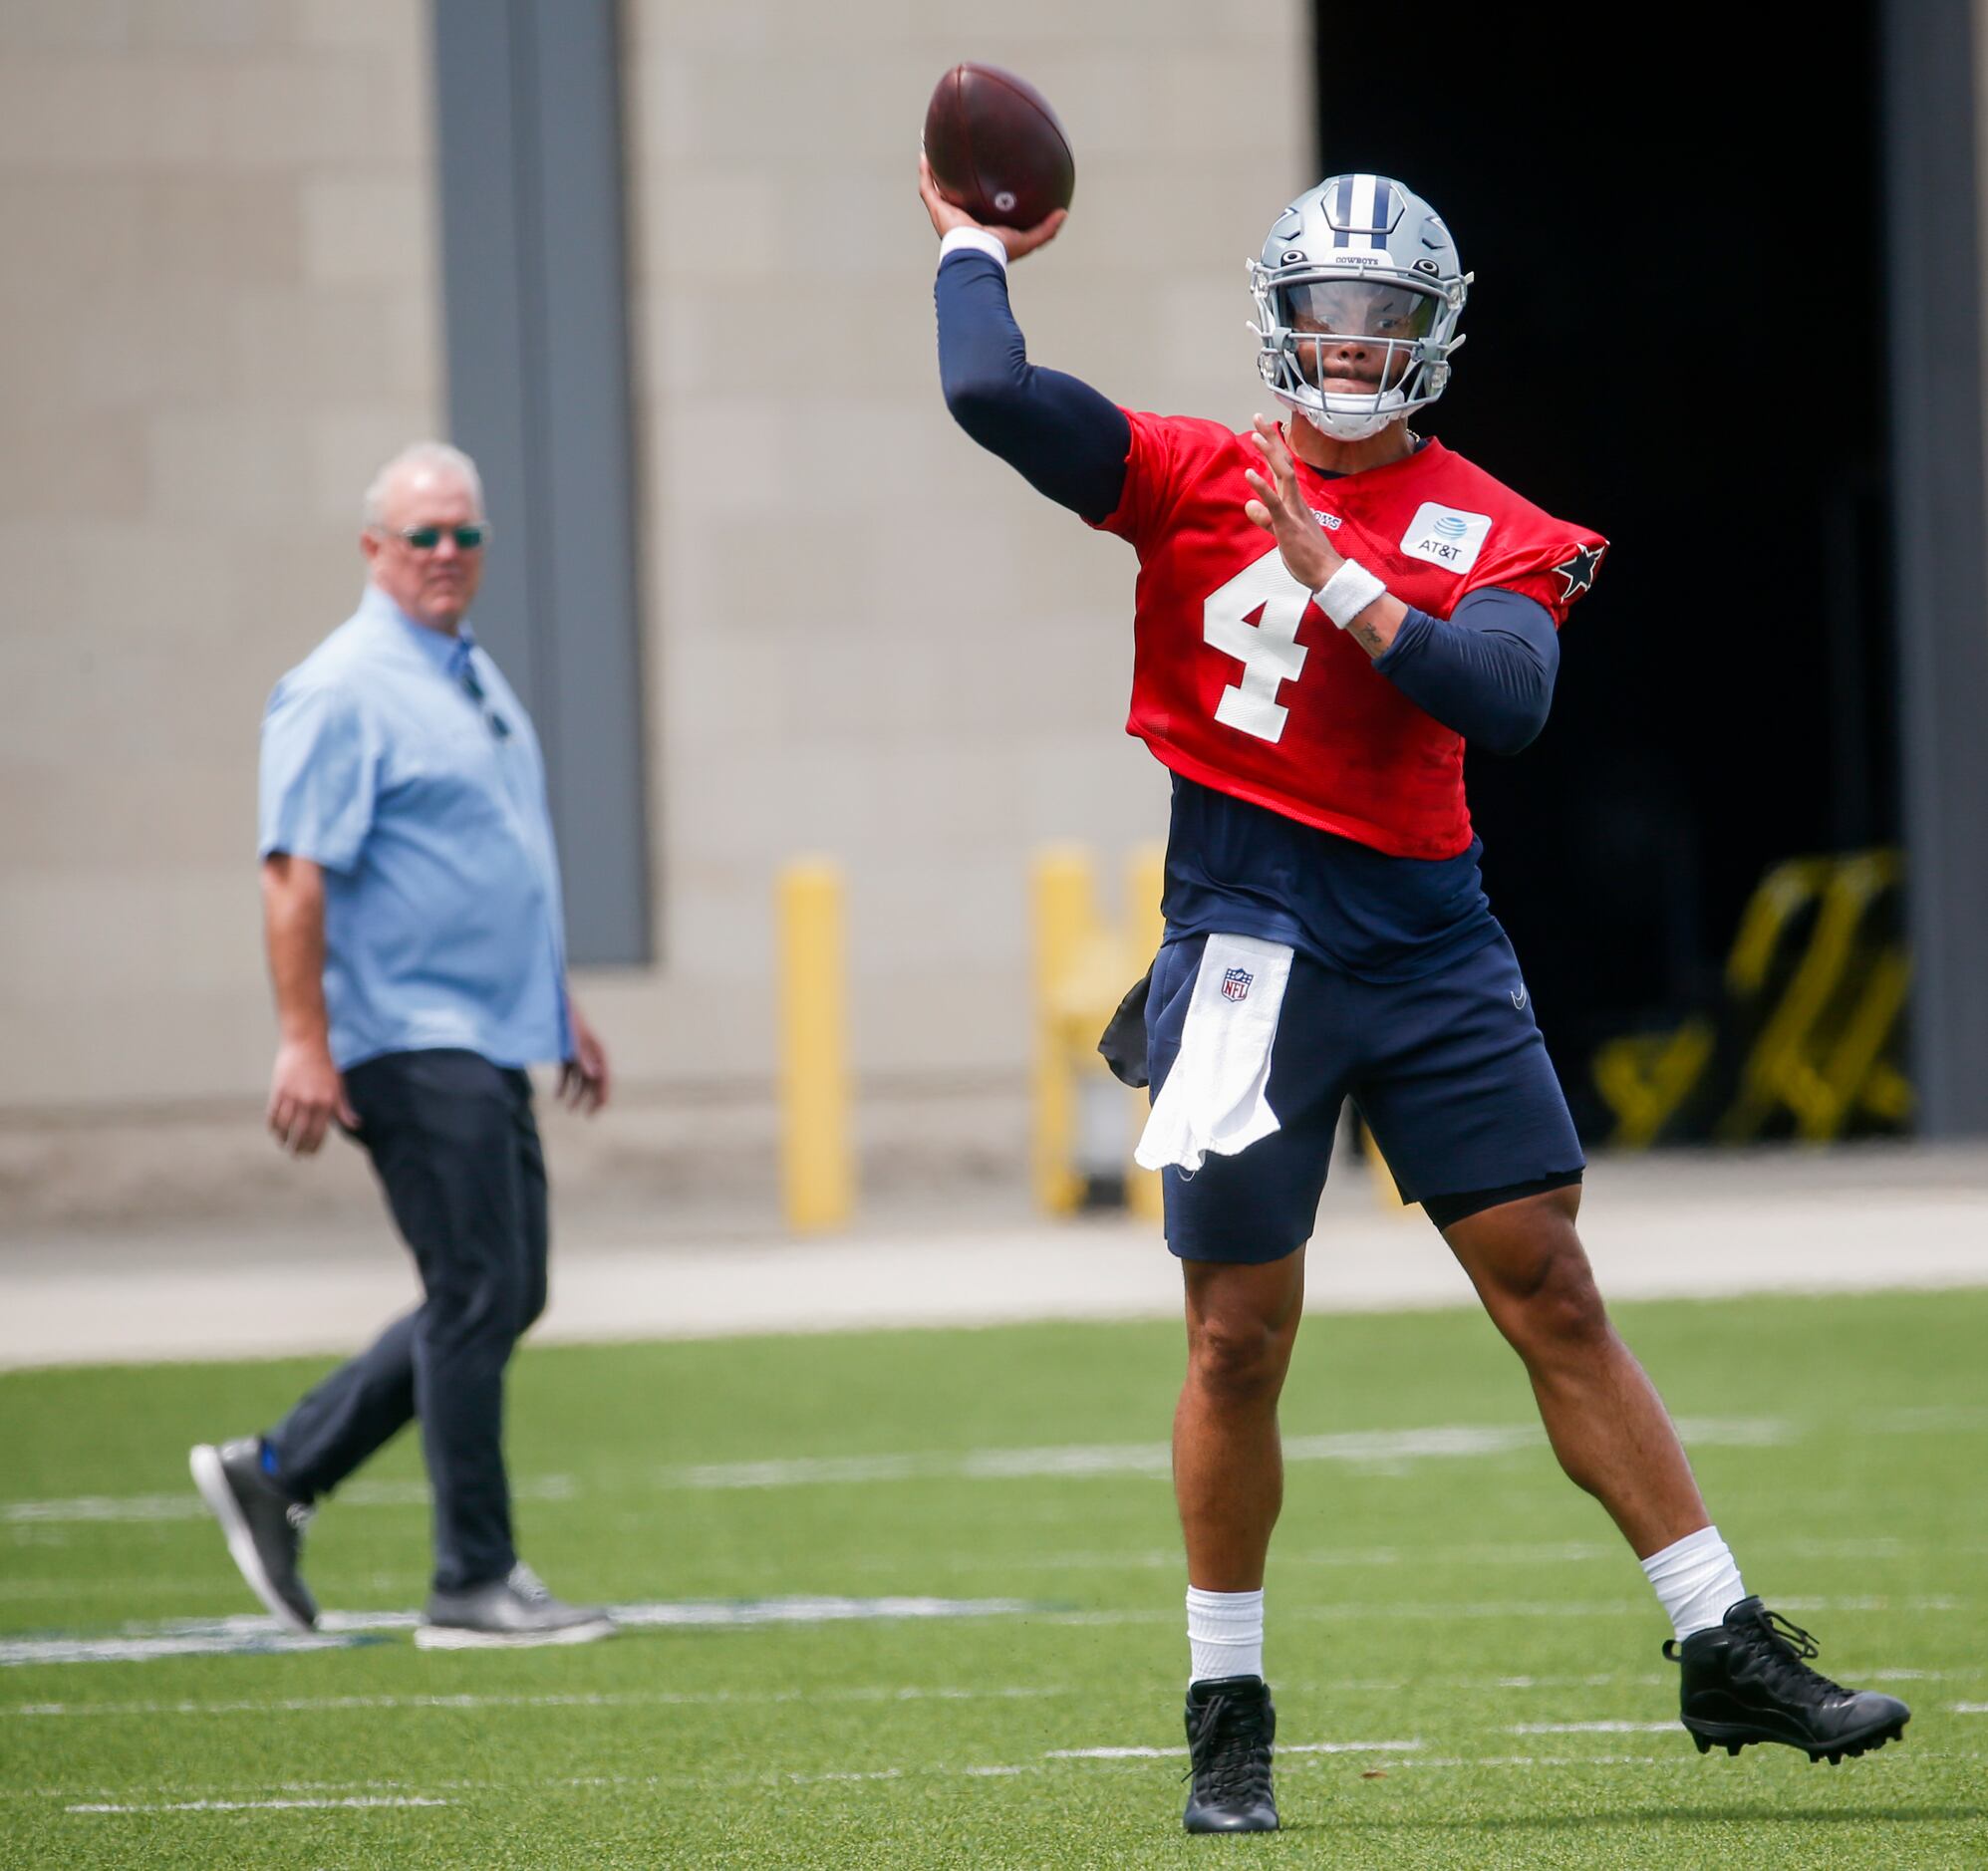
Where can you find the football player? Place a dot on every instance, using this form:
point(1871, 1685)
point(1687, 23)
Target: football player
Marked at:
point(1326, 611)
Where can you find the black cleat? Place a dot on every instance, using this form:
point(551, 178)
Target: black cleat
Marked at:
point(1230, 1725)
point(1748, 1679)
point(264, 1527)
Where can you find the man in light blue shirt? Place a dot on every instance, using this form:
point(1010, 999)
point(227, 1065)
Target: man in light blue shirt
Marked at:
point(416, 941)
point(398, 760)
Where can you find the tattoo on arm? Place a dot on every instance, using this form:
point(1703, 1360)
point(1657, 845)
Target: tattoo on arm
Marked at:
point(1367, 635)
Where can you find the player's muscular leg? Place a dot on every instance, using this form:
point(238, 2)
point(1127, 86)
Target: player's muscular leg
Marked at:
point(1227, 1468)
point(1606, 1422)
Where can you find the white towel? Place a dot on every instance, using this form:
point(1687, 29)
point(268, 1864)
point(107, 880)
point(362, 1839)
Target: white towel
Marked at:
point(1213, 1098)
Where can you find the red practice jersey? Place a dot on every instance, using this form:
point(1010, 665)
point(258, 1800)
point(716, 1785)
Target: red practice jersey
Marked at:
point(1242, 682)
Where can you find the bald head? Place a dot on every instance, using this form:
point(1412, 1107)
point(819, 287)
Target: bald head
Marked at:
point(415, 507)
point(421, 461)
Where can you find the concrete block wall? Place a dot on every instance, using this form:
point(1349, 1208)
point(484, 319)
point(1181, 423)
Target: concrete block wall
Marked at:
point(221, 311)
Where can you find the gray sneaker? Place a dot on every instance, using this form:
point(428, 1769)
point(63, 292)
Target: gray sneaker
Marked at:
point(511, 1613)
point(264, 1527)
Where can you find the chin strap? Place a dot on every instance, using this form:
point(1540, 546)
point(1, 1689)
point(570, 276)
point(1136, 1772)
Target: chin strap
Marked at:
point(1357, 427)
point(1316, 419)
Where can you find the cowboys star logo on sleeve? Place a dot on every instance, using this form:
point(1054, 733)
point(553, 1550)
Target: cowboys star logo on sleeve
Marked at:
point(1578, 570)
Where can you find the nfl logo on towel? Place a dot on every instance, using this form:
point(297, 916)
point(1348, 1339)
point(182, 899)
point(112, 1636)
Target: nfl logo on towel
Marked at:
point(1236, 983)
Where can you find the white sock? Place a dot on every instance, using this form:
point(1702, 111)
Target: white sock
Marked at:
point(1696, 1581)
point(1225, 1634)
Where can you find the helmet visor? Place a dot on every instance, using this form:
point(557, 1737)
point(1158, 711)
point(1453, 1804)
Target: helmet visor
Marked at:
point(1354, 336)
point(1357, 308)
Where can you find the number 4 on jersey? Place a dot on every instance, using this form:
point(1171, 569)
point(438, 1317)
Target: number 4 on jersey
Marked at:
point(1255, 619)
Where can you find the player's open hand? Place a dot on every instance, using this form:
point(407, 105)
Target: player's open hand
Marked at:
point(1280, 510)
point(946, 215)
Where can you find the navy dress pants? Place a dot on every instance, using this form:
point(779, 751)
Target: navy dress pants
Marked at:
point(453, 1142)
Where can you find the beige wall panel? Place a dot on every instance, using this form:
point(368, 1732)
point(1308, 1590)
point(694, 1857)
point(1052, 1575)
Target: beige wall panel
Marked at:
point(173, 1053)
point(864, 637)
point(52, 810)
point(369, 26)
point(72, 930)
point(80, 591)
point(92, 463)
point(310, 109)
point(324, 344)
point(210, 25)
point(365, 229)
point(219, 313)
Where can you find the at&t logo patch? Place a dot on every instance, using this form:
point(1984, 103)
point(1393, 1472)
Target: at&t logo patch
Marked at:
point(1446, 536)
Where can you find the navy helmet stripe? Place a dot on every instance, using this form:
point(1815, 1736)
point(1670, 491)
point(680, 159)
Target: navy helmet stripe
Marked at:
point(1383, 195)
point(1343, 213)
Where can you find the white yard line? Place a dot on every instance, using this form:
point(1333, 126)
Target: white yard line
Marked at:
point(18, 1651)
point(824, 1780)
point(627, 1699)
point(255, 1634)
point(825, 1609)
point(252, 1805)
point(1592, 1728)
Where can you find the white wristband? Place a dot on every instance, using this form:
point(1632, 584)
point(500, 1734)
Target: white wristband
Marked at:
point(972, 240)
point(1349, 592)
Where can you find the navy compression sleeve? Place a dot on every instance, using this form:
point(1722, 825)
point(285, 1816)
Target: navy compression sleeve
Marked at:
point(1066, 440)
point(1488, 673)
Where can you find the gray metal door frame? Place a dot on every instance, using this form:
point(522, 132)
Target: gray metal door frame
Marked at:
point(1939, 495)
point(536, 295)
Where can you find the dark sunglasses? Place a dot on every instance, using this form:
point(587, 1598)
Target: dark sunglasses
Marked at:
point(427, 538)
point(474, 691)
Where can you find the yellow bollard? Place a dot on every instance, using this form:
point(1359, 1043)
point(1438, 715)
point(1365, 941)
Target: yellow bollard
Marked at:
point(1063, 917)
point(1385, 1189)
point(1145, 880)
point(1145, 883)
point(817, 1171)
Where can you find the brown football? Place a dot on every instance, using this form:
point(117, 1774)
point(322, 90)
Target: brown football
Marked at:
point(996, 149)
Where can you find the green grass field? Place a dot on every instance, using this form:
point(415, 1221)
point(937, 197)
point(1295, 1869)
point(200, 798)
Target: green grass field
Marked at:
point(1467, 1664)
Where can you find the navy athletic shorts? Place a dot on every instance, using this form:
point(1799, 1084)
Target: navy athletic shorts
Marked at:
point(1449, 1072)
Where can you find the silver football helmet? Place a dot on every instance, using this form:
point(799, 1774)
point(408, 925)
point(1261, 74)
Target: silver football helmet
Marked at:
point(1358, 295)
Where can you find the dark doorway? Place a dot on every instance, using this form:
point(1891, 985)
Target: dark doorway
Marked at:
point(1675, 336)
